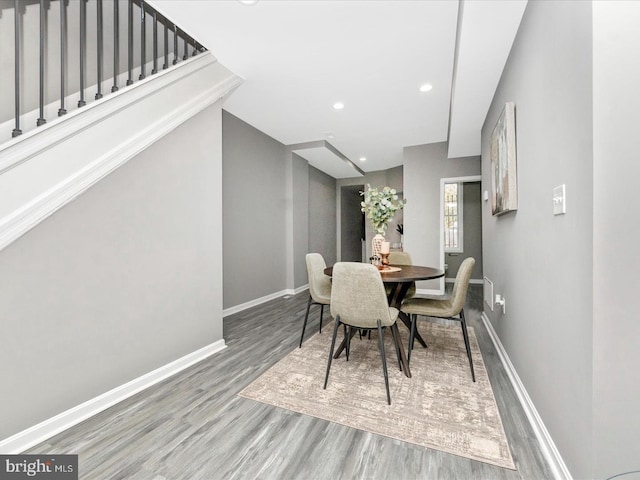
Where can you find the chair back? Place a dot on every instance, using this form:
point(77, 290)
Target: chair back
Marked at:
point(358, 295)
point(319, 283)
point(461, 284)
point(403, 258)
point(400, 258)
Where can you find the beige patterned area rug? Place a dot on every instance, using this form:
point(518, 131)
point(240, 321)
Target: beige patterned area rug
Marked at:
point(439, 407)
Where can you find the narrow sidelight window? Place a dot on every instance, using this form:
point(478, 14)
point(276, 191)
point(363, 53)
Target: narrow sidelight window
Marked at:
point(453, 241)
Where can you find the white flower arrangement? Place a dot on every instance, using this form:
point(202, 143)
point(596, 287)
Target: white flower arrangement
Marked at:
point(380, 206)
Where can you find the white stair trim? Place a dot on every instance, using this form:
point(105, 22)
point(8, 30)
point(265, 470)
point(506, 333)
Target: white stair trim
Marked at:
point(16, 153)
point(548, 447)
point(39, 433)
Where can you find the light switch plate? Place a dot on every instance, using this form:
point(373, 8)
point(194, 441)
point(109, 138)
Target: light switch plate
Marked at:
point(559, 200)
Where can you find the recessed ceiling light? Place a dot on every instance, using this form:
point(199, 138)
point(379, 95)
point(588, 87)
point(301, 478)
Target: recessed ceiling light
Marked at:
point(338, 105)
point(248, 2)
point(426, 87)
point(363, 159)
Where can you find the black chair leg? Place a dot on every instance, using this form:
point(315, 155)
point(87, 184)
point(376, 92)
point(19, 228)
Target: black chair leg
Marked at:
point(466, 343)
point(321, 313)
point(306, 317)
point(348, 337)
point(333, 346)
point(395, 342)
point(384, 362)
point(412, 335)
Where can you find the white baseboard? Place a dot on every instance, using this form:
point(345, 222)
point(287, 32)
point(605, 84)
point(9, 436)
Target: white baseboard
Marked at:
point(39, 433)
point(254, 303)
point(259, 301)
point(549, 450)
point(299, 289)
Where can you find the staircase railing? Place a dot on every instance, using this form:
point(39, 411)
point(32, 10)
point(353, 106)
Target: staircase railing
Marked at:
point(67, 45)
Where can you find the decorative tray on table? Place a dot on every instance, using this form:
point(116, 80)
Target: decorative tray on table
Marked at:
point(389, 269)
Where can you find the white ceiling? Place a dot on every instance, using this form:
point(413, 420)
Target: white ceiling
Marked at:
point(300, 57)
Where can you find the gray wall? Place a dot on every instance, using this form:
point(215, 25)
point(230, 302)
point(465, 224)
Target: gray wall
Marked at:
point(616, 209)
point(424, 166)
point(542, 264)
point(124, 279)
point(300, 191)
point(254, 208)
point(392, 178)
point(395, 180)
point(472, 232)
point(276, 209)
point(322, 215)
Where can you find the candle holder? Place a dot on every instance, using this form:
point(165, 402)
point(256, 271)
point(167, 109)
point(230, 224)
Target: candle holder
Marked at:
point(385, 260)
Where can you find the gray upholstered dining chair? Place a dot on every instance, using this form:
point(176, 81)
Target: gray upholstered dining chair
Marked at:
point(403, 258)
point(358, 300)
point(319, 287)
point(451, 308)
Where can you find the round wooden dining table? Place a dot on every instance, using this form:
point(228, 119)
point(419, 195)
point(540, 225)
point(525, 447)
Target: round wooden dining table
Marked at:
point(399, 278)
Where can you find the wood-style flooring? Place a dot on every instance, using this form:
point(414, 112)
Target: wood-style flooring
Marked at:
point(194, 426)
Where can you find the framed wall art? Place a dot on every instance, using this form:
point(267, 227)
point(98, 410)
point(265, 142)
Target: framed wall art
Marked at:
point(504, 181)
